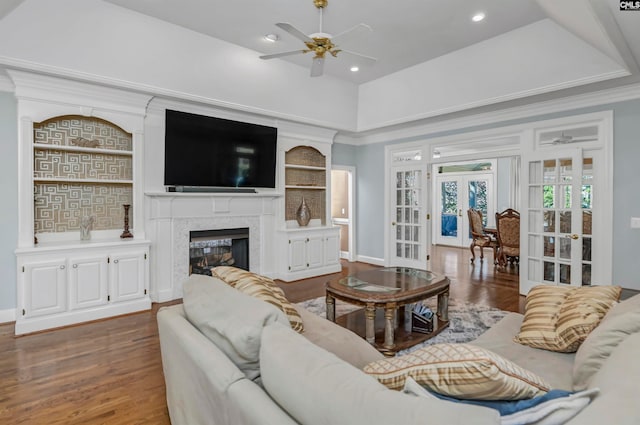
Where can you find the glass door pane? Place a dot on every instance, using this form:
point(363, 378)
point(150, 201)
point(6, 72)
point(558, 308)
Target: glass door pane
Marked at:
point(556, 247)
point(408, 244)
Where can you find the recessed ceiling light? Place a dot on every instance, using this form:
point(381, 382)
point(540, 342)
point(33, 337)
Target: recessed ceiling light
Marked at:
point(271, 38)
point(354, 69)
point(478, 17)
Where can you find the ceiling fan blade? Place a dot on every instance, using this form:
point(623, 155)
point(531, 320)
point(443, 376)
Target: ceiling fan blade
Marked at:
point(368, 59)
point(350, 34)
point(294, 31)
point(279, 55)
point(317, 67)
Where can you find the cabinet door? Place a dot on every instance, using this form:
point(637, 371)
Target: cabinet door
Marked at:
point(88, 283)
point(127, 276)
point(332, 249)
point(45, 284)
point(315, 251)
point(297, 254)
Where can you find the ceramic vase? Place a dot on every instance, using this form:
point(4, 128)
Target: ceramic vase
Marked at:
point(303, 214)
point(85, 227)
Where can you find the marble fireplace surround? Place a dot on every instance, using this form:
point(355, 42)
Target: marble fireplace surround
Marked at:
point(171, 216)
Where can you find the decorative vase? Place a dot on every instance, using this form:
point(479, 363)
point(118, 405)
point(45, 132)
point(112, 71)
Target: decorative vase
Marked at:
point(85, 227)
point(126, 233)
point(303, 214)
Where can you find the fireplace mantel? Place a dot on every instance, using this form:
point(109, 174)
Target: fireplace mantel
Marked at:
point(172, 215)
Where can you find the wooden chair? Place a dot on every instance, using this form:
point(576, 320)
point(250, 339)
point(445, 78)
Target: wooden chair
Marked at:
point(508, 226)
point(479, 237)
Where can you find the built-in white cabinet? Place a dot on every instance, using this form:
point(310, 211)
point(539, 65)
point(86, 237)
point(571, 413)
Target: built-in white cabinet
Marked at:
point(127, 275)
point(59, 287)
point(88, 282)
point(311, 252)
point(81, 150)
point(44, 286)
point(305, 165)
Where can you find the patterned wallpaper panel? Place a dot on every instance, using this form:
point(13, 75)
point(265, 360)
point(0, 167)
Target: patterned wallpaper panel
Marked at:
point(59, 207)
point(80, 165)
point(315, 200)
point(66, 131)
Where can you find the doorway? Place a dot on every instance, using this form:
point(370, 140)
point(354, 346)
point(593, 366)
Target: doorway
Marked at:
point(456, 191)
point(342, 208)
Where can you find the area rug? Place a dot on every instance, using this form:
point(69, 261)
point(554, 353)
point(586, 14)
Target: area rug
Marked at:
point(467, 321)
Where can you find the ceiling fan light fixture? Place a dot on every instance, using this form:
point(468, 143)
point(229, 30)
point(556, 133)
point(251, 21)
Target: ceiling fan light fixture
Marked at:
point(354, 69)
point(479, 16)
point(271, 38)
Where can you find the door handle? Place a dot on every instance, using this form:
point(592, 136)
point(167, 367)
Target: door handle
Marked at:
point(393, 223)
point(460, 212)
point(573, 236)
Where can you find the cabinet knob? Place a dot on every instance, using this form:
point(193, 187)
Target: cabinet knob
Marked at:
point(61, 267)
point(115, 261)
point(75, 266)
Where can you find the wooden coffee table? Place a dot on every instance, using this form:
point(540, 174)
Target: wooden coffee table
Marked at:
point(388, 291)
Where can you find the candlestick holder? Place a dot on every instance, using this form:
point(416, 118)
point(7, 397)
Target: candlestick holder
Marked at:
point(126, 233)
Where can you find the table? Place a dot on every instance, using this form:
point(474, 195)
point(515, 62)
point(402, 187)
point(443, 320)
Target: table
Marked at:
point(388, 290)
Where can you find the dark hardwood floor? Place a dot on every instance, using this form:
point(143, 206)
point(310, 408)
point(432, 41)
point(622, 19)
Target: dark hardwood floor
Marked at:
point(110, 371)
point(477, 283)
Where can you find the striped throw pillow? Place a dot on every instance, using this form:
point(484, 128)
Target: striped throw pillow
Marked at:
point(559, 318)
point(260, 287)
point(461, 371)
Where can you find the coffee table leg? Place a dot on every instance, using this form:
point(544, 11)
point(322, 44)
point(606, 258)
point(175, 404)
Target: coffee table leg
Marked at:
point(331, 308)
point(443, 306)
point(389, 325)
point(370, 316)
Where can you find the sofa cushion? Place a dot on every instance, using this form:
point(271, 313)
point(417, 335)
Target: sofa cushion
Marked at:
point(260, 287)
point(340, 341)
point(617, 380)
point(620, 322)
point(316, 387)
point(555, 368)
point(559, 318)
point(459, 370)
point(232, 320)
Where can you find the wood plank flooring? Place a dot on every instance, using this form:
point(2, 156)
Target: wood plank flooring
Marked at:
point(110, 371)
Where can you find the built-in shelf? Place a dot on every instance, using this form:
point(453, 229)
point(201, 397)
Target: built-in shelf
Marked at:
point(47, 146)
point(305, 187)
point(304, 167)
point(80, 181)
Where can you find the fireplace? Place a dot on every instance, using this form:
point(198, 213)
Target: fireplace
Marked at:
point(212, 248)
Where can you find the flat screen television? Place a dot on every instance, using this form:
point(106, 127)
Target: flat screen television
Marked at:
point(202, 151)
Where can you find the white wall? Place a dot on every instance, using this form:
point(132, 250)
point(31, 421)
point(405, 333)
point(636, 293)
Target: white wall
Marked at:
point(8, 206)
point(94, 40)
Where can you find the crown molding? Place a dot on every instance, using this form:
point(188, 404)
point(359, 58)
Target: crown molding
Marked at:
point(28, 66)
point(596, 98)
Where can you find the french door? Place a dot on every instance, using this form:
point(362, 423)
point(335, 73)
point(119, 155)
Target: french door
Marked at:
point(408, 230)
point(560, 220)
point(454, 196)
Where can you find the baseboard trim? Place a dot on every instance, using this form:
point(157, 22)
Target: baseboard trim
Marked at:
point(371, 260)
point(162, 296)
point(8, 315)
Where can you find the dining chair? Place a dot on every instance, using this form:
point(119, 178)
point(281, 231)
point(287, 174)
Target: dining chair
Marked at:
point(508, 227)
point(479, 237)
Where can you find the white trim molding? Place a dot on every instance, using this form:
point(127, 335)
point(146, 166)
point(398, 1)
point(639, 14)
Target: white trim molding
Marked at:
point(601, 97)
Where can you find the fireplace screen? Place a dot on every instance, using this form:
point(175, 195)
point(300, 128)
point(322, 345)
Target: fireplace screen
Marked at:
point(212, 248)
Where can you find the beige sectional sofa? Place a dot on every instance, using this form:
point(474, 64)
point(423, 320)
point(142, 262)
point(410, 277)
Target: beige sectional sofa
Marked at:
point(229, 358)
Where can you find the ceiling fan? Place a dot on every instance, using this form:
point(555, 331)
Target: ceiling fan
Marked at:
point(322, 43)
point(564, 139)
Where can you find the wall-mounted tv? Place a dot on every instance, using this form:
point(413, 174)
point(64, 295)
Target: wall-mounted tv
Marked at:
point(202, 151)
